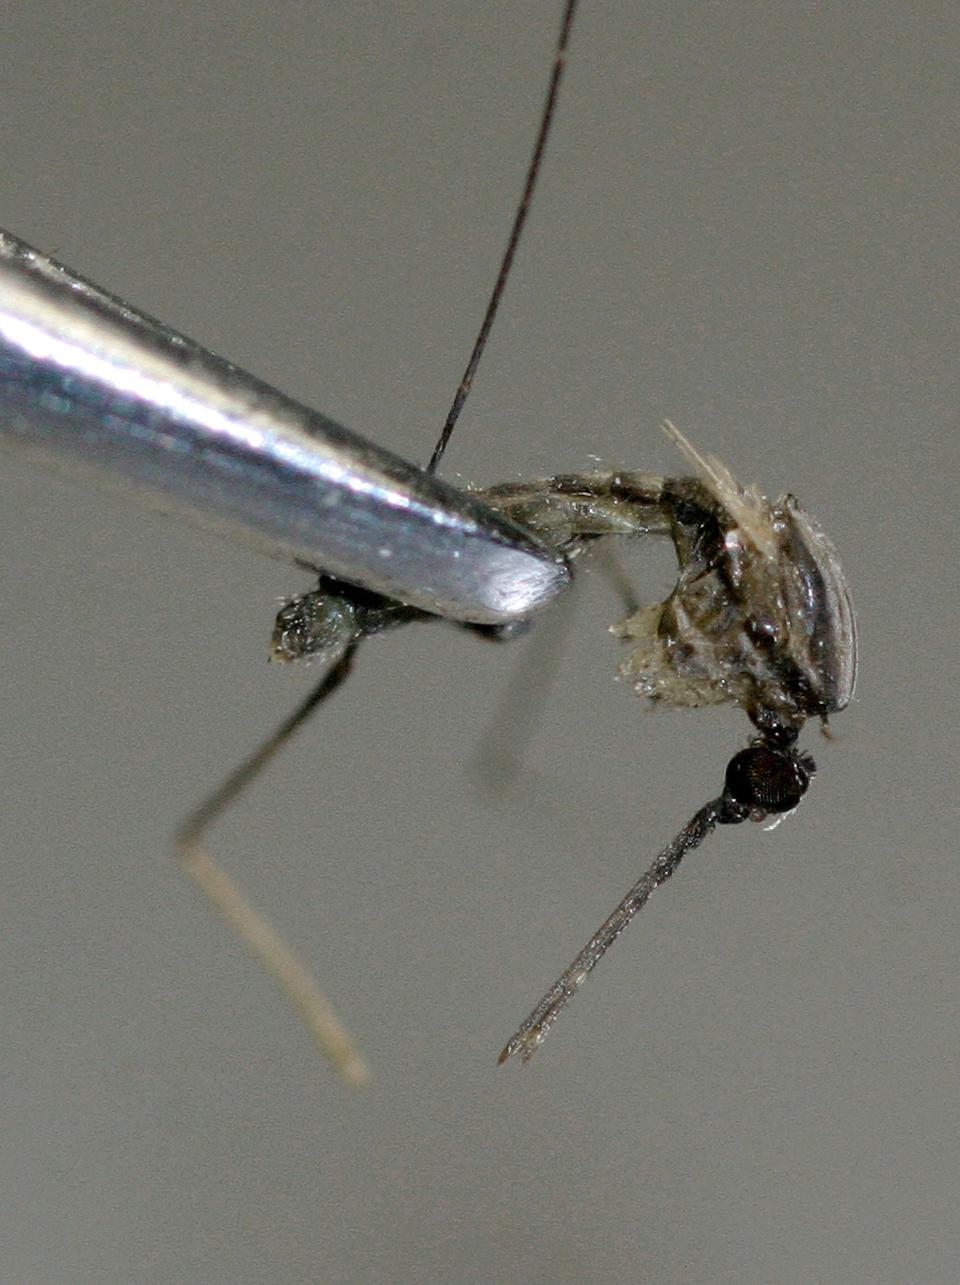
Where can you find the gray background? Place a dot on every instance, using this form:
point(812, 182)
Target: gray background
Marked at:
point(746, 224)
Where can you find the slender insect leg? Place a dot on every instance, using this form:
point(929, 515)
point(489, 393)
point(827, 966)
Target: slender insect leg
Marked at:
point(229, 901)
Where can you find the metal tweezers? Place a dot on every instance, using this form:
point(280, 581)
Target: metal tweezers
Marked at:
point(88, 381)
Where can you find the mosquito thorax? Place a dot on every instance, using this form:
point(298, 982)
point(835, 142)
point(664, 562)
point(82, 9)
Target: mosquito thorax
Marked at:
point(816, 598)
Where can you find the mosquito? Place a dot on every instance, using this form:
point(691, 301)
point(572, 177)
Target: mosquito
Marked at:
point(760, 617)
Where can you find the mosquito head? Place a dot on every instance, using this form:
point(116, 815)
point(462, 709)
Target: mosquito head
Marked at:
point(768, 777)
point(763, 780)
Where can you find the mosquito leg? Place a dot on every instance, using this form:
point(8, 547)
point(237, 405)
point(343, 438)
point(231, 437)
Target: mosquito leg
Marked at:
point(532, 1032)
point(229, 901)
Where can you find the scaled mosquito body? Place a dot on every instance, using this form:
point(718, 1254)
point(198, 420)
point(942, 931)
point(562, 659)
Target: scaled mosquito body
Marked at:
point(760, 616)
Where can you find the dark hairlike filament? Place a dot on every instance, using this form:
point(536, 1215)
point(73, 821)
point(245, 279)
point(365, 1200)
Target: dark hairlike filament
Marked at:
point(519, 219)
point(531, 1034)
point(199, 821)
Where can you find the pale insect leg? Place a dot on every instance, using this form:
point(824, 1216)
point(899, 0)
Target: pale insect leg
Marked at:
point(229, 901)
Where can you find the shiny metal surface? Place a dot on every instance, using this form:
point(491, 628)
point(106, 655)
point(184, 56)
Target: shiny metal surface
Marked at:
point(87, 380)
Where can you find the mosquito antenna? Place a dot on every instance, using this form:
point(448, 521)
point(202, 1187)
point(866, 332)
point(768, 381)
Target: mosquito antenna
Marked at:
point(531, 1033)
point(519, 219)
point(229, 901)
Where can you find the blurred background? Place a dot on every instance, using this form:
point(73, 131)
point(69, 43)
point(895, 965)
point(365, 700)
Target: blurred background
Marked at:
point(746, 223)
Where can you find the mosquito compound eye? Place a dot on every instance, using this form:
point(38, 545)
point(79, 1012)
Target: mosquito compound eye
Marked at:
point(765, 779)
